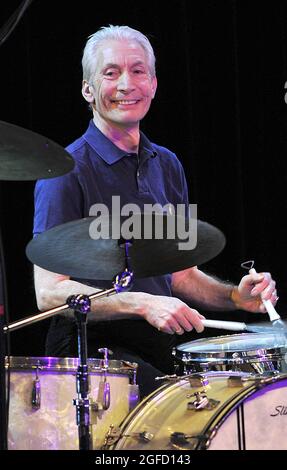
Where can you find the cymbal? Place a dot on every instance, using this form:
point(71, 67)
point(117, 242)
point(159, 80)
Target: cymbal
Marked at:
point(25, 155)
point(70, 249)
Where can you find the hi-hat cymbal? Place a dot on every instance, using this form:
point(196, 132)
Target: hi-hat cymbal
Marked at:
point(25, 155)
point(70, 249)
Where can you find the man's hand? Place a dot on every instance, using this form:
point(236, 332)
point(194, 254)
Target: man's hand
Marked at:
point(171, 315)
point(252, 289)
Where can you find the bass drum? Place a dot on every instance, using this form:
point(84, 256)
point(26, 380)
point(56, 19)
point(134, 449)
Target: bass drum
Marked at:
point(217, 411)
point(41, 411)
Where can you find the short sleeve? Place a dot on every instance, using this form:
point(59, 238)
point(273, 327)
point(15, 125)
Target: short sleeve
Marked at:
point(57, 201)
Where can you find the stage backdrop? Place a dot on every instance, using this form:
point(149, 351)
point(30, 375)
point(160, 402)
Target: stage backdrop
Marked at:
point(220, 106)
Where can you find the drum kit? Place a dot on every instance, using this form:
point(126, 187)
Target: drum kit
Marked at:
point(226, 390)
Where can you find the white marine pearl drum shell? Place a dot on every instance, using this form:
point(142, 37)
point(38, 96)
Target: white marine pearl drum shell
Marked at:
point(53, 425)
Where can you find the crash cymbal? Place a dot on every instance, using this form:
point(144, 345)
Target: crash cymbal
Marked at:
point(25, 155)
point(72, 249)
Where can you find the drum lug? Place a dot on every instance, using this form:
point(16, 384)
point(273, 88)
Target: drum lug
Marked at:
point(104, 395)
point(36, 393)
point(201, 402)
point(104, 386)
point(198, 380)
point(134, 396)
point(99, 406)
point(234, 381)
point(106, 352)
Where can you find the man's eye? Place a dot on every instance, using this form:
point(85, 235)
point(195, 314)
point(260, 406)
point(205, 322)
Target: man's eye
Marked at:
point(111, 73)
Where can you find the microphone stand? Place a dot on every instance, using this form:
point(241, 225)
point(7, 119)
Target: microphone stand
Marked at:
point(81, 304)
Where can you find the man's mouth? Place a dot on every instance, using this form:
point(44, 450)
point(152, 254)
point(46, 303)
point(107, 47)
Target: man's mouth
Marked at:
point(125, 102)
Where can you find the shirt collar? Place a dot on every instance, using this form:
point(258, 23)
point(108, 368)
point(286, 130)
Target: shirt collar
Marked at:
point(108, 151)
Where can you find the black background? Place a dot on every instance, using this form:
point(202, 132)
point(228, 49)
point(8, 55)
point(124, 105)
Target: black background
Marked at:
point(220, 106)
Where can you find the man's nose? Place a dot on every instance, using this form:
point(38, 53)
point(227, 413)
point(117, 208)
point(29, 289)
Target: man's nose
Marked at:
point(125, 82)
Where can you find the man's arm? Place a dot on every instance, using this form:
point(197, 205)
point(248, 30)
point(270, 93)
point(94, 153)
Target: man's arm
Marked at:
point(202, 290)
point(167, 314)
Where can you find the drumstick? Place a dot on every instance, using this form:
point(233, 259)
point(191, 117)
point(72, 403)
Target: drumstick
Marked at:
point(239, 326)
point(225, 325)
point(273, 315)
point(277, 327)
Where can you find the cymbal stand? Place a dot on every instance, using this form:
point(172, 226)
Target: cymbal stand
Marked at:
point(81, 304)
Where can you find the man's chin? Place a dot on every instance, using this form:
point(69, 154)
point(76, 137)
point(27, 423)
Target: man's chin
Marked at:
point(127, 120)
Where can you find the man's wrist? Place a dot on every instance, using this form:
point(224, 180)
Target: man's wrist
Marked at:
point(235, 297)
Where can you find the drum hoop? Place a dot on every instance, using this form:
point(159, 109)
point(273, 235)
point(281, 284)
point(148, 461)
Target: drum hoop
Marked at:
point(260, 355)
point(69, 364)
point(256, 354)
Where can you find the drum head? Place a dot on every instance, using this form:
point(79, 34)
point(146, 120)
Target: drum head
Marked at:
point(248, 346)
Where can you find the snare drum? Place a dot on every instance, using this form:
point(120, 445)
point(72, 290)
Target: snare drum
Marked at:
point(249, 352)
point(41, 412)
point(214, 411)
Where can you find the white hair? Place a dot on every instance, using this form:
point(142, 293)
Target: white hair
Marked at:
point(118, 33)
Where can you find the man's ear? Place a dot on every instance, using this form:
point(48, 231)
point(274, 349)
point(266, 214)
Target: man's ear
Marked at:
point(154, 85)
point(87, 92)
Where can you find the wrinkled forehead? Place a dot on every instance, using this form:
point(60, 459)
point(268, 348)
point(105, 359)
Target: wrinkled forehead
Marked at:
point(120, 53)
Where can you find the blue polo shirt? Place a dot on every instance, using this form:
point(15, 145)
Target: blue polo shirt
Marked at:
point(101, 171)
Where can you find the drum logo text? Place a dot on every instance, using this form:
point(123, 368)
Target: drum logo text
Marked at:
point(280, 411)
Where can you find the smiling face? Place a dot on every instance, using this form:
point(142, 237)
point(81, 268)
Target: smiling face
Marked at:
point(122, 87)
